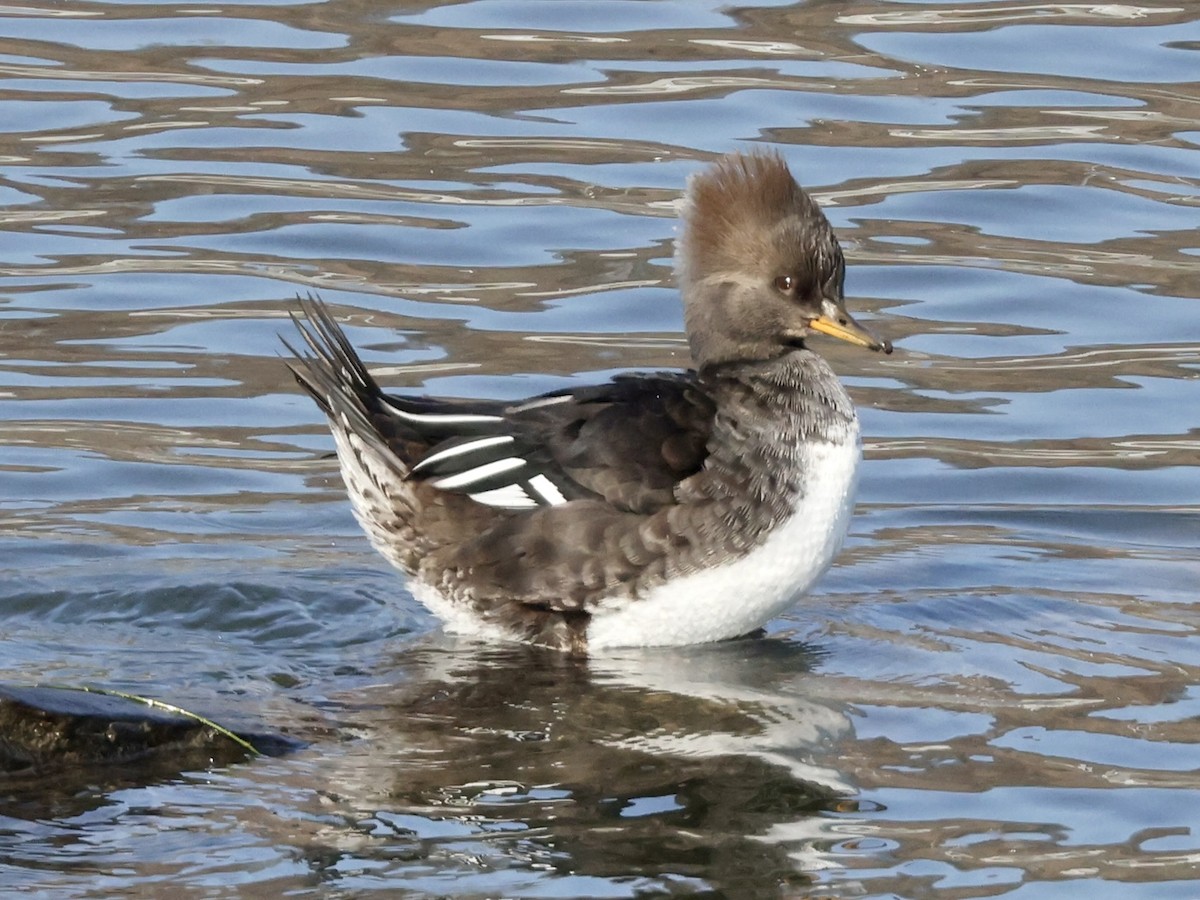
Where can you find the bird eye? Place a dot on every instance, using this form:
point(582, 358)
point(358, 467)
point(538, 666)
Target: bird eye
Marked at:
point(785, 284)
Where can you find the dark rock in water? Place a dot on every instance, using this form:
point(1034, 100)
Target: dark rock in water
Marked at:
point(47, 728)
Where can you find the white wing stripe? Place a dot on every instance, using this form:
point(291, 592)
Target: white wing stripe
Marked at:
point(479, 473)
point(546, 490)
point(459, 450)
point(442, 418)
point(539, 402)
point(511, 496)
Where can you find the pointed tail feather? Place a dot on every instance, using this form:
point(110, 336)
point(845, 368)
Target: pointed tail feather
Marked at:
point(335, 377)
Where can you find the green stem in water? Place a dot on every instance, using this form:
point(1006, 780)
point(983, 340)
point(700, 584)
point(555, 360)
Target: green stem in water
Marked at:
point(167, 707)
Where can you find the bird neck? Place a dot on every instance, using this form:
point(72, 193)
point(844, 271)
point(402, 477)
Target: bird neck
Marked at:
point(794, 397)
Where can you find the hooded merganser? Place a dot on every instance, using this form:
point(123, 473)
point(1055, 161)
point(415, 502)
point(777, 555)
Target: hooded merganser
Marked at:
point(665, 508)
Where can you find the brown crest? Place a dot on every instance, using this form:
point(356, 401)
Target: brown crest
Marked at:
point(733, 205)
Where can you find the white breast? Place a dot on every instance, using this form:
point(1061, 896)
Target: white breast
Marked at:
point(735, 598)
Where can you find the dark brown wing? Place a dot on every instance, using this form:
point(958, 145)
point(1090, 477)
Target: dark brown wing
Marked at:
point(628, 442)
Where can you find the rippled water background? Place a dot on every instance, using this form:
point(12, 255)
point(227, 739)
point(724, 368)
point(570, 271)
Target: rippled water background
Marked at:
point(996, 692)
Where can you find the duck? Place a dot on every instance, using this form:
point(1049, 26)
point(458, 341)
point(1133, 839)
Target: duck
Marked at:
point(655, 509)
